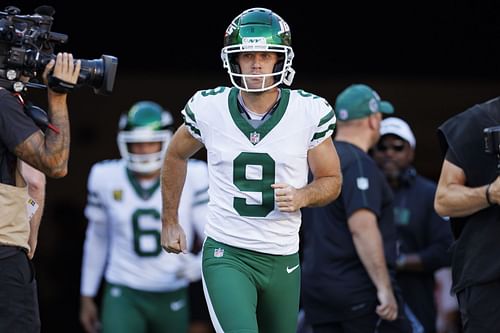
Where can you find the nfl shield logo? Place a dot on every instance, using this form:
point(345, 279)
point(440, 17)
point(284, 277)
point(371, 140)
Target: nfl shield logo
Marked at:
point(254, 137)
point(218, 252)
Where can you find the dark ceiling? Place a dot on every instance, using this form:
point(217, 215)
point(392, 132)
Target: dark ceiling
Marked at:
point(447, 38)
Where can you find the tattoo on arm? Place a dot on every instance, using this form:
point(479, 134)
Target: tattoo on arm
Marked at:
point(48, 153)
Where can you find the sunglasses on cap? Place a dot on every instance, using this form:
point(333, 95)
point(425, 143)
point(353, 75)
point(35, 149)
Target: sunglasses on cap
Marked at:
point(396, 148)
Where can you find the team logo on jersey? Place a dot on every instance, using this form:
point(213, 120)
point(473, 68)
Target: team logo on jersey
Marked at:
point(118, 195)
point(362, 183)
point(218, 252)
point(254, 137)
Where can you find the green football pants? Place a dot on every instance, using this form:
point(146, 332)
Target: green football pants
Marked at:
point(127, 310)
point(250, 292)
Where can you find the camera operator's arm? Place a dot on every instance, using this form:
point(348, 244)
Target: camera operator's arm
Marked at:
point(36, 189)
point(454, 199)
point(50, 153)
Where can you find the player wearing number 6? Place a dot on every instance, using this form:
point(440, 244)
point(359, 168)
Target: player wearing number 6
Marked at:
point(261, 140)
point(145, 288)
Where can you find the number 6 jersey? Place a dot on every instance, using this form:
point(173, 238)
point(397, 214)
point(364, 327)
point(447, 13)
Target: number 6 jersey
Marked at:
point(244, 161)
point(123, 235)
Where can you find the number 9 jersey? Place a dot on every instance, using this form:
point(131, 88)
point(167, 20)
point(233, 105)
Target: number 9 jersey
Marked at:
point(244, 162)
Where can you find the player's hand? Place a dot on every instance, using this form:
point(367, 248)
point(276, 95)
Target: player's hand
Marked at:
point(173, 238)
point(287, 197)
point(191, 267)
point(89, 317)
point(388, 307)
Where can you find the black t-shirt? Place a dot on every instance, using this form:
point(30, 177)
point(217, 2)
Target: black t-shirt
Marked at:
point(336, 286)
point(475, 250)
point(15, 127)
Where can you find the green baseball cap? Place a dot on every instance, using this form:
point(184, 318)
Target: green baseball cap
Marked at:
point(359, 101)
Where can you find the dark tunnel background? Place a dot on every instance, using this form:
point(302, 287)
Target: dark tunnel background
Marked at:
point(429, 60)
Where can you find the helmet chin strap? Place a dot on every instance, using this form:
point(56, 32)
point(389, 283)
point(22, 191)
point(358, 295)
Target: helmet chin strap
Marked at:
point(265, 78)
point(239, 80)
point(288, 77)
point(144, 163)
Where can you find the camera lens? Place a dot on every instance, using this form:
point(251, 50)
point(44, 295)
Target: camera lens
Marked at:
point(99, 74)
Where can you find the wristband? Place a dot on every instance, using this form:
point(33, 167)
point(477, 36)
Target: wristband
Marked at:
point(59, 85)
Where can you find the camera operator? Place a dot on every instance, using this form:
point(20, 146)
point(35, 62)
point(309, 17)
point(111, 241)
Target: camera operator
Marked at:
point(22, 140)
point(469, 192)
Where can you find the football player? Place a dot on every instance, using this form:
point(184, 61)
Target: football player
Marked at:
point(145, 289)
point(261, 140)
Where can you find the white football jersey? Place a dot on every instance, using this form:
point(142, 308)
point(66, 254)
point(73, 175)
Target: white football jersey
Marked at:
point(243, 162)
point(123, 234)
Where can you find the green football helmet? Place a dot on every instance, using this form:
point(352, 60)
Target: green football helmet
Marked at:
point(146, 121)
point(258, 30)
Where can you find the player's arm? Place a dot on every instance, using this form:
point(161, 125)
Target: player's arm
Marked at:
point(454, 199)
point(89, 315)
point(95, 250)
point(95, 254)
point(173, 176)
point(327, 177)
point(370, 249)
point(325, 187)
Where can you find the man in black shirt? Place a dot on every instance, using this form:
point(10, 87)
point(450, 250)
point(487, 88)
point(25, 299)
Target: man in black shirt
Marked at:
point(22, 141)
point(469, 192)
point(350, 244)
point(423, 236)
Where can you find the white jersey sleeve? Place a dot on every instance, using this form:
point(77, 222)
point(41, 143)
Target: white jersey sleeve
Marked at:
point(326, 124)
point(196, 125)
point(96, 245)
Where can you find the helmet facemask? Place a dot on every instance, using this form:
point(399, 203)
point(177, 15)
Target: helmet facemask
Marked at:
point(145, 122)
point(258, 30)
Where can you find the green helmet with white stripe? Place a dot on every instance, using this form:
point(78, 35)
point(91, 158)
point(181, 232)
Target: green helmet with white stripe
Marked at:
point(258, 30)
point(146, 121)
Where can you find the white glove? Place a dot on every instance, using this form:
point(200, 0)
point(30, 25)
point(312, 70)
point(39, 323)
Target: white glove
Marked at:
point(191, 267)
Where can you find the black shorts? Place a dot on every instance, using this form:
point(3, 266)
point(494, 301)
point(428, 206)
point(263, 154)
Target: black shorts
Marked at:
point(480, 308)
point(370, 322)
point(366, 324)
point(19, 310)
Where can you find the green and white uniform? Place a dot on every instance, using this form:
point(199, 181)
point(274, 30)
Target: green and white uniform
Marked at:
point(243, 162)
point(123, 241)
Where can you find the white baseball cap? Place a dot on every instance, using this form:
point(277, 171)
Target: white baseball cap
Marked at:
point(398, 127)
